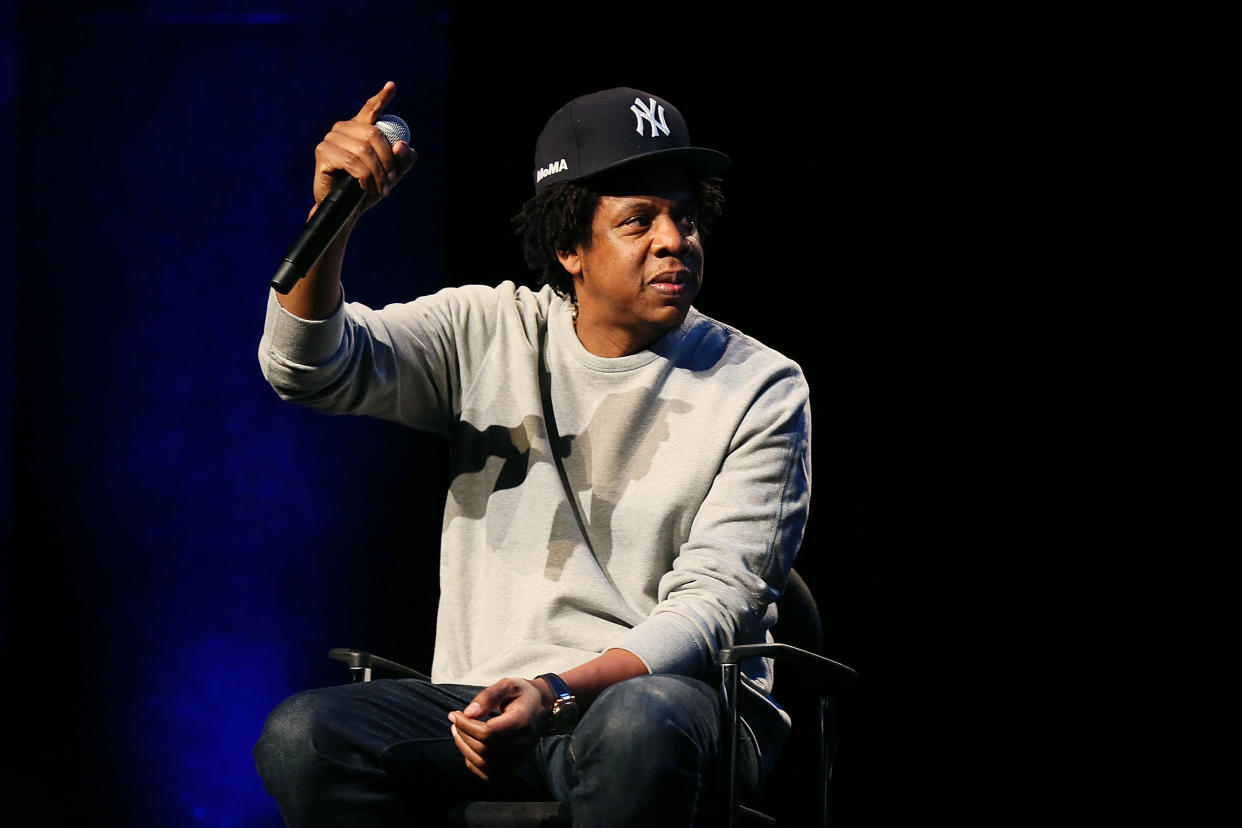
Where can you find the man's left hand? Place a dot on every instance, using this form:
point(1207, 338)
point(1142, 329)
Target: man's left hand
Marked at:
point(518, 718)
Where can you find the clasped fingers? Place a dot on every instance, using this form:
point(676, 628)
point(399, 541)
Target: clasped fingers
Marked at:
point(487, 751)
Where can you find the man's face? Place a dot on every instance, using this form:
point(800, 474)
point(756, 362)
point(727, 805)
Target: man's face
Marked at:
point(644, 265)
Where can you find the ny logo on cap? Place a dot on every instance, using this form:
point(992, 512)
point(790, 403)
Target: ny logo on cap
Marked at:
point(649, 112)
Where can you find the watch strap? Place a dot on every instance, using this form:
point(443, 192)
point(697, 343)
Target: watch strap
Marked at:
point(563, 716)
point(559, 688)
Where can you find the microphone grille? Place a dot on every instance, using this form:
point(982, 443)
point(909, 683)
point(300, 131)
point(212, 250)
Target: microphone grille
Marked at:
point(394, 129)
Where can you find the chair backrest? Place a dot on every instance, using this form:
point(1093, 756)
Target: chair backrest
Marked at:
point(791, 793)
point(798, 620)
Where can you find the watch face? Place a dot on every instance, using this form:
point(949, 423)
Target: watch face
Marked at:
point(564, 715)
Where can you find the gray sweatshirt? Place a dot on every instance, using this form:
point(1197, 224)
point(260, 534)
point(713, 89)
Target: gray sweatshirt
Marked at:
point(653, 502)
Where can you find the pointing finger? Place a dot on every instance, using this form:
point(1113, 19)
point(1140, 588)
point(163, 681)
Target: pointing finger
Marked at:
point(376, 104)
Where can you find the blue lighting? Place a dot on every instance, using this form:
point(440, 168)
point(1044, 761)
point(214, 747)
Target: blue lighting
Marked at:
point(184, 536)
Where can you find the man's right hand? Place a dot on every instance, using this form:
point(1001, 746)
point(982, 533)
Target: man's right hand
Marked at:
point(358, 147)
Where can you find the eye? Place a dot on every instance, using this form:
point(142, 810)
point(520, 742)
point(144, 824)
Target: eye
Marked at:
point(640, 220)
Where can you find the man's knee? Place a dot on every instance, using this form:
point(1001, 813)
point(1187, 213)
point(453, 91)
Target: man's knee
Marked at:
point(661, 734)
point(655, 709)
point(286, 746)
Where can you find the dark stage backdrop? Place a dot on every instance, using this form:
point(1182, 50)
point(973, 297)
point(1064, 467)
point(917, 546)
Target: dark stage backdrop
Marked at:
point(185, 547)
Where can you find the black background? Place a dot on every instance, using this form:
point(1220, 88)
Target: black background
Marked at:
point(940, 210)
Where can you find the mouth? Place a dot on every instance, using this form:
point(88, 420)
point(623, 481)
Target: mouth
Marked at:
point(674, 282)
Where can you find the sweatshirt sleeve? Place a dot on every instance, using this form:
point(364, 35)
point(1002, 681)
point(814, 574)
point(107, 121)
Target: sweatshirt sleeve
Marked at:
point(398, 363)
point(743, 541)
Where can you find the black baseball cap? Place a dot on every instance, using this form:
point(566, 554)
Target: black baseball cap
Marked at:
point(609, 129)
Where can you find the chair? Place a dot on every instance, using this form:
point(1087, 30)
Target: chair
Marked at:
point(808, 690)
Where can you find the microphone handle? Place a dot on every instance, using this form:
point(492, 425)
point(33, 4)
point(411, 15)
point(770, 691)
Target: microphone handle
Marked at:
point(321, 229)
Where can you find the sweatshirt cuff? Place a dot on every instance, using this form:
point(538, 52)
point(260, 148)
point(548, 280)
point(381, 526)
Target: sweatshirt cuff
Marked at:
point(304, 341)
point(665, 646)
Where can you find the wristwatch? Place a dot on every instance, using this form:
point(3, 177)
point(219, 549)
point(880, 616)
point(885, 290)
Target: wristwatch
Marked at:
point(564, 707)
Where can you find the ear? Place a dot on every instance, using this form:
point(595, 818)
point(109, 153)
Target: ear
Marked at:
point(571, 260)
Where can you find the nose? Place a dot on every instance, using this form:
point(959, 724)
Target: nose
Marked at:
point(670, 236)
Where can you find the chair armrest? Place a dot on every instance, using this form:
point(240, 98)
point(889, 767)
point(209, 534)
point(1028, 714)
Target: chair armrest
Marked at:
point(836, 676)
point(364, 661)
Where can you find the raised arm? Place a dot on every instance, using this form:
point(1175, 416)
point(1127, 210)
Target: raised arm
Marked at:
point(358, 147)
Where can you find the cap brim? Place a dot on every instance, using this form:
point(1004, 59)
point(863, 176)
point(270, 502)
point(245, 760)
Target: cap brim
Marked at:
point(702, 162)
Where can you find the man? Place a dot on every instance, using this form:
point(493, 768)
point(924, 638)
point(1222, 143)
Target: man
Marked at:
point(630, 486)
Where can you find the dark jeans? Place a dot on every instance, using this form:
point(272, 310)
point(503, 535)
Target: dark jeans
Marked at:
point(646, 753)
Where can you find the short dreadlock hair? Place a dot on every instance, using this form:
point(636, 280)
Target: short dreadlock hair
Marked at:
point(560, 218)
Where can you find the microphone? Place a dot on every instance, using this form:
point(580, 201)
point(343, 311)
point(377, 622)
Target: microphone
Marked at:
point(333, 214)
